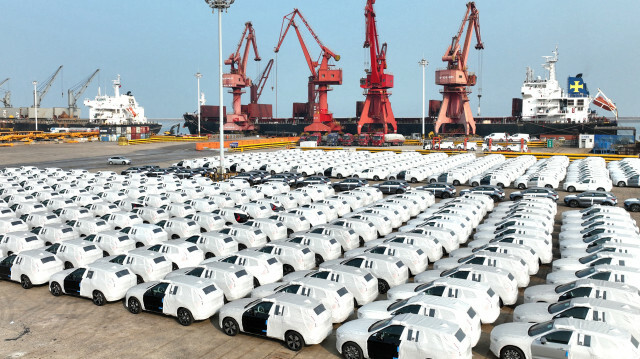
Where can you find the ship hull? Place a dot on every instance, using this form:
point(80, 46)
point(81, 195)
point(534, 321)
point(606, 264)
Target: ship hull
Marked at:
point(409, 126)
point(45, 125)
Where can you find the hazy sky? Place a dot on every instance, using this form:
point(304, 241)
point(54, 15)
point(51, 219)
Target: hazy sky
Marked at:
point(158, 45)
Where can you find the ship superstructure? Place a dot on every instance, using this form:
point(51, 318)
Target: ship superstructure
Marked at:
point(120, 109)
point(545, 100)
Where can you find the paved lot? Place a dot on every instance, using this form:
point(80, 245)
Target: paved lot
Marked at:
point(34, 324)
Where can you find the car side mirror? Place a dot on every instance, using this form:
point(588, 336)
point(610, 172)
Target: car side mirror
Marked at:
point(543, 340)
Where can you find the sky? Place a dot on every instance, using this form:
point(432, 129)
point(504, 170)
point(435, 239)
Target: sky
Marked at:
point(157, 46)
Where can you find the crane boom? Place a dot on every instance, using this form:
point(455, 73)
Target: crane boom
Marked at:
point(256, 89)
point(5, 80)
point(44, 88)
point(76, 91)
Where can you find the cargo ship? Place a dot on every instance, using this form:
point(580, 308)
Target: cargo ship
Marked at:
point(118, 114)
point(544, 109)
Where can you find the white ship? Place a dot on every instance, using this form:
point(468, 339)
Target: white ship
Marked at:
point(544, 99)
point(115, 110)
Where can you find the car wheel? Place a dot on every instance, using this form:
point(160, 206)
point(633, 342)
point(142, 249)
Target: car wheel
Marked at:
point(355, 176)
point(139, 279)
point(635, 208)
point(98, 298)
point(319, 260)
point(376, 178)
point(433, 180)
point(548, 186)
point(361, 241)
point(621, 184)
point(600, 189)
point(399, 191)
point(445, 195)
point(521, 186)
point(495, 198)
point(208, 255)
point(571, 189)
point(475, 184)
point(175, 236)
point(304, 174)
point(25, 282)
point(517, 198)
point(293, 340)
point(414, 180)
point(241, 247)
point(256, 282)
point(68, 265)
point(456, 182)
point(56, 290)
point(139, 244)
point(351, 350)
point(110, 162)
point(289, 232)
point(574, 203)
point(124, 163)
point(185, 317)
point(511, 352)
point(383, 286)
point(286, 269)
point(230, 327)
point(105, 253)
point(501, 185)
point(133, 305)
point(339, 175)
point(607, 204)
point(174, 266)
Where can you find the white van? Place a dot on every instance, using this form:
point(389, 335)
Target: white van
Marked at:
point(146, 234)
point(146, 265)
point(186, 297)
point(214, 244)
point(55, 233)
point(233, 280)
point(33, 267)
point(75, 252)
point(16, 242)
point(180, 227)
point(112, 242)
point(102, 282)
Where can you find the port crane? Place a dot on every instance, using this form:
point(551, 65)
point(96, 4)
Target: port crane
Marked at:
point(44, 88)
point(456, 79)
point(322, 75)
point(376, 111)
point(237, 80)
point(256, 89)
point(6, 100)
point(76, 91)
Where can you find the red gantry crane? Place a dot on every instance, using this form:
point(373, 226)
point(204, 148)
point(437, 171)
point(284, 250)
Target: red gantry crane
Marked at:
point(376, 111)
point(322, 75)
point(457, 81)
point(237, 80)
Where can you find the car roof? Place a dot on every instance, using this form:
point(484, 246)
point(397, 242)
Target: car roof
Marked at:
point(463, 283)
point(293, 299)
point(106, 266)
point(603, 303)
point(595, 327)
point(190, 280)
point(429, 323)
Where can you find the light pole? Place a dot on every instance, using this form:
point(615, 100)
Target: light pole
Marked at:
point(198, 76)
point(424, 64)
point(220, 5)
point(35, 101)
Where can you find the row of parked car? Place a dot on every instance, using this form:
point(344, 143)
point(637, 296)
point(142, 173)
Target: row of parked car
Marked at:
point(591, 304)
point(625, 173)
point(166, 283)
point(547, 172)
point(503, 174)
point(589, 174)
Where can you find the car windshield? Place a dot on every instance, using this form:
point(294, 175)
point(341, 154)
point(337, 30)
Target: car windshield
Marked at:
point(557, 307)
point(379, 325)
point(398, 304)
point(540, 328)
point(585, 272)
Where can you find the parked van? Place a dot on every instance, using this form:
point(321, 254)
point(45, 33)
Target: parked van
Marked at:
point(32, 267)
point(16, 242)
point(146, 265)
point(75, 253)
point(214, 244)
point(146, 234)
point(232, 279)
point(55, 233)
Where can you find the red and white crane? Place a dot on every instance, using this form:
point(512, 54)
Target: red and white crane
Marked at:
point(456, 79)
point(376, 111)
point(237, 80)
point(322, 75)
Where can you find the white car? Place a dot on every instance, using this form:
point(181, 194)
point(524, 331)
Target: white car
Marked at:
point(214, 244)
point(512, 264)
point(347, 238)
point(593, 184)
point(559, 337)
point(112, 242)
point(257, 210)
point(185, 297)
point(403, 336)
point(587, 288)
point(479, 295)
point(415, 258)
point(380, 221)
point(273, 229)
point(293, 256)
point(315, 216)
point(611, 273)
point(180, 253)
point(324, 247)
point(296, 320)
point(118, 160)
point(87, 226)
point(233, 280)
point(180, 227)
point(334, 296)
point(610, 258)
point(75, 252)
point(630, 248)
point(146, 234)
point(449, 309)
point(365, 229)
point(16, 242)
point(293, 222)
point(207, 221)
point(361, 283)
point(521, 251)
point(263, 267)
point(34, 267)
point(428, 244)
point(145, 265)
point(246, 236)
point(389, 270)
point(102, 282)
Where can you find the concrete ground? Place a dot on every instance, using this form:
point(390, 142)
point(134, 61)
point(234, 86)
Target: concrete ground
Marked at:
point(34, 324)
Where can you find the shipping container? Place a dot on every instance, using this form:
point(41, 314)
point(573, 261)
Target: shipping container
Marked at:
point(104, 138)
